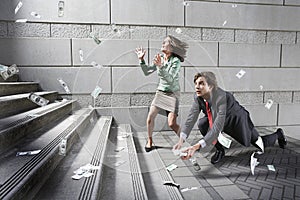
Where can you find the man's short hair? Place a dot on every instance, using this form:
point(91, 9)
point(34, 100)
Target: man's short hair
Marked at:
point(210, 78)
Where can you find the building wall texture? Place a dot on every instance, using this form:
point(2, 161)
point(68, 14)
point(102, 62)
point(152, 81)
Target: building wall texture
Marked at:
point(260, 37)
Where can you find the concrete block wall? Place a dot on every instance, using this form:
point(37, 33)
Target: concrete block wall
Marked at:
point(259, 36)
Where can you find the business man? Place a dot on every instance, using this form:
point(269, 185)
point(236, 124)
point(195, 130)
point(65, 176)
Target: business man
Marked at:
point(222, 114)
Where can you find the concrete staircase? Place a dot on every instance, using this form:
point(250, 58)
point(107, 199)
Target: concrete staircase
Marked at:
point(32, 164)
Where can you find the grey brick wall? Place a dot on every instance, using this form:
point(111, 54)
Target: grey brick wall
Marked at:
point(259, 36)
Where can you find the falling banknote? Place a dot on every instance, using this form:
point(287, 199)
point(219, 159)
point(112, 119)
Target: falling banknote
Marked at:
point(96, 92)
point(271, 168)
point(195, 164)
point(171, 167)
point(81, 55)
point(21, 20)
point(92, 35)
point(179, 153)
point(28, 153)
point(61, 5)
point(9, 72)
point(240, 74)
point(38, 99)
point(224, 141)
point(63, 147)
point(189, 189)
point(35, 14)
point(96, 65)
point(20, 4)
point(64, 85)
point(269, 104)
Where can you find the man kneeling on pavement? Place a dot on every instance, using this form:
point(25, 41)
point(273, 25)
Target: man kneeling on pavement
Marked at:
point(223, 113)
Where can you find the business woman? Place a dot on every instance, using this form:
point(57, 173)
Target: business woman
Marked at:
point(167, 94)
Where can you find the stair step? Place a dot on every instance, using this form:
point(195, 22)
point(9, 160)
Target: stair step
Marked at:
point(13, 128)
point(122, 177)
point(13, 78)
point(11, 88)
point(89, 149)
point(24, 175)
point(14, 104)
point(154, 169)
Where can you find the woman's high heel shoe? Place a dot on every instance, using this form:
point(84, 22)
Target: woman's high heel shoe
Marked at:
point(148, 149)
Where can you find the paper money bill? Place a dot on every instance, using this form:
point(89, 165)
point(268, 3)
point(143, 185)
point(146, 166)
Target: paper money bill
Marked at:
point(35, 14)
point(61, 5)
point(9, 72)
point(19, 5)
point(171, 167)
point(178, 30)
point(3, 67)
point(271, 168)
point(77, 177)
point(125, 134)
point(269, 104)
point(189, 189)
point(28, 153)
point(94, 167)
point(240, 74)
point(63, 147)
point(195, 164)
point(88, 174)
point(21, 20)
point(178, 152)
point(119, 137)
point(114, 27)
point(96, 92)
point(81, 55)
point(92, 120)
point(119, 149)
point(113, 156)
point(38, 99)
point(92, 35)
point(261, 87)
point(64, 85)
point(185, 3)
point(226, 142)
point(79, 171)
point(85, 171)
point(96, 65)
point(86, 168)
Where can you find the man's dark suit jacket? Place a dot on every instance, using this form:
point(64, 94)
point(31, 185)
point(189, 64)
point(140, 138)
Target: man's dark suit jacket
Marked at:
point(228, 117)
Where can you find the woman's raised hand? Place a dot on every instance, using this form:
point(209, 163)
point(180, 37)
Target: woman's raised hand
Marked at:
point(140, 52)
point(157, 60)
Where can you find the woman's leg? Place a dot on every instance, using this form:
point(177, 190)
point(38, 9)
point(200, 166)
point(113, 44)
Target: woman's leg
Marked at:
point(150, 124)
point(173, 124)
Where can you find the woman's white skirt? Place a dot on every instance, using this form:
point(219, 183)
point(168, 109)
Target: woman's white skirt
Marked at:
point(167, 101)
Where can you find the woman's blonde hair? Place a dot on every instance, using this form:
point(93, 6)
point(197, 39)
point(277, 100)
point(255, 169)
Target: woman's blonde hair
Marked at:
point(178, 48)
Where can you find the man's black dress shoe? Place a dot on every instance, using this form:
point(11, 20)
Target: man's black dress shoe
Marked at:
point(282, 141)
point(217, 157)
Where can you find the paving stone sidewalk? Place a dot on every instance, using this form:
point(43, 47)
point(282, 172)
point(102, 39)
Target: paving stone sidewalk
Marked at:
point(283, 183)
